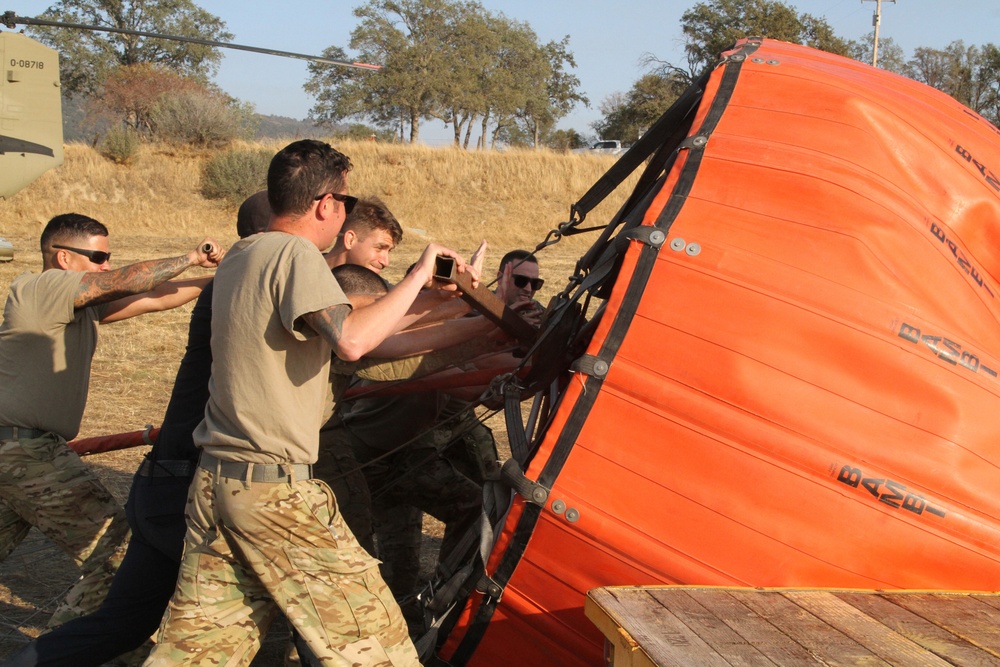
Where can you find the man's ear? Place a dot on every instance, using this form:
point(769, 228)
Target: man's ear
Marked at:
point(350, 238)
point(60, 259)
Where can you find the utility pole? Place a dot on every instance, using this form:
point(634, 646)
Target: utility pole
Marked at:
point(876, 21)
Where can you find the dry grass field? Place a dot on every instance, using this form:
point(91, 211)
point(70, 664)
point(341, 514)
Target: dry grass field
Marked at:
point(153, 209)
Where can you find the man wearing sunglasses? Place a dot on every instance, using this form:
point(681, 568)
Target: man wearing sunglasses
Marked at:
point(263, 536)
point(518, 280)
point(47, 342)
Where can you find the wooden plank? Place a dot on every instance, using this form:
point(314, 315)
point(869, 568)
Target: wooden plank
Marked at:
point(662, 626)
point(818, 637)
point(865, 630)
point(963, 615)
point(712, 629)
point(647, 634)
point(758, 632)
point(991, 599)
point(931, 636)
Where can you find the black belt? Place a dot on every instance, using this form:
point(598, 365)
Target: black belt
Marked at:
point(18, 433)
point(168, 468)
point(257, 472)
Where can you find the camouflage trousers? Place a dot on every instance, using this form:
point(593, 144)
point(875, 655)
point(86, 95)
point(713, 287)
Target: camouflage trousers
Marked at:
point(255, 548)
point(43, 483)
point(338, 467)
point(414, 480)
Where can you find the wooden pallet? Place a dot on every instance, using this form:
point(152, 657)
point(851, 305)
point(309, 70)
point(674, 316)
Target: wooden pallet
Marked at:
point(664, 626)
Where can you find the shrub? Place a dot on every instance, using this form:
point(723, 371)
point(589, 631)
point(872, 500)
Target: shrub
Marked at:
point(198, 118)
point(235, 174)
point(120, 144)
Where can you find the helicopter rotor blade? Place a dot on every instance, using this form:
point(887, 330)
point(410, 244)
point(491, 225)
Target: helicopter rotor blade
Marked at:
point(10, 20)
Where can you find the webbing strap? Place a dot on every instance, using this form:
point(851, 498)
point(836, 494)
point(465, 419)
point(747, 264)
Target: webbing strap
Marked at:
point(616, 335)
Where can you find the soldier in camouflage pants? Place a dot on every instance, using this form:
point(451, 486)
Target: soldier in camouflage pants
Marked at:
point(262, 536)
point(257, 547)
point(46, 481)
point(47, 342)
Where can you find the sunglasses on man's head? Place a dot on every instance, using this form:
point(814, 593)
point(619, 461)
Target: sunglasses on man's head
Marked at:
point(521, 281)
point(95, 256)
point(347, 200)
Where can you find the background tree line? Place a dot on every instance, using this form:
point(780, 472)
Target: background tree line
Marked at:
point(970, 74)
point(484, 74)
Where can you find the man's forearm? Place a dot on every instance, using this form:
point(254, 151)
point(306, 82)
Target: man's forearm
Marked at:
point(433, 306)
point(167, 295)
point(102, 287)
point(436, 336)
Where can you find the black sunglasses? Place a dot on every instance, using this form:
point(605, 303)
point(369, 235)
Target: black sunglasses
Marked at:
point(521, 281)
point(347, 200)
point(95, 256)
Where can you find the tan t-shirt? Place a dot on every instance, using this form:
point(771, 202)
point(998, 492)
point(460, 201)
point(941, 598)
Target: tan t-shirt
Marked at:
point(269, 370)
point(46, 348)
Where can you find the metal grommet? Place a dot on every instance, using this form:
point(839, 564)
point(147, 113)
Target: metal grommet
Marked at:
point(656, 238)
point(558, 506)
point(572, 515)
point(699, 141)
point(600, 368)
point(693, 249)
point(773, 62)
point(757, 60)
point(677, 244)
point(738, 58)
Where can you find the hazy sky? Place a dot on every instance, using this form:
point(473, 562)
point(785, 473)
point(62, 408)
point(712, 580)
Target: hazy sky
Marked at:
point(608, 39)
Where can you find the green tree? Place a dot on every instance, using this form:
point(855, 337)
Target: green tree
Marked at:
point(202, 118)
point(566, 140)
point(712, 27)
point(409, 38)
point(87, 56)
point(452, 61)
point(515, 77)
point(128, 94)
point(970, 74)
point(559, 95)
point(626, 117)
point(890, 55)
point(709, 28)
point(989, 101)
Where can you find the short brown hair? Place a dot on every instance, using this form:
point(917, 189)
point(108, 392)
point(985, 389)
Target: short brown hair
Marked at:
point(371, 214)
point(301, 171)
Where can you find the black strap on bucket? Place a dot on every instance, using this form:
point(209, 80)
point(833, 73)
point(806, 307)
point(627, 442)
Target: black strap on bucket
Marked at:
point(619, 328)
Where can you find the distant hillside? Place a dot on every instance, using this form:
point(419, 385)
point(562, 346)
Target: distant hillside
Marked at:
point(270, 127)
point(276, 127)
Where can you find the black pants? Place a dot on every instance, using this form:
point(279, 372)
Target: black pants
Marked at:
point(140, 591)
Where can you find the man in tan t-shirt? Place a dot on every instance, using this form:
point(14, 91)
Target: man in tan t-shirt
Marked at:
point(47, 341)
point(262, 535)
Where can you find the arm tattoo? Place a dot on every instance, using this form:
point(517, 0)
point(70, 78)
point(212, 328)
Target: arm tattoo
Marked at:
point(329, 323)
point(102, 287)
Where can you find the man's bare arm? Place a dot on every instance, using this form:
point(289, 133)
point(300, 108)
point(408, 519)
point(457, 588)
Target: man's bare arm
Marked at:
point(354, 333)
point(164, 296)
point(435, 336)
point(105, 286)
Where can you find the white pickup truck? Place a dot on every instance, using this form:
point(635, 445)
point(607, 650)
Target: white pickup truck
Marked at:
point(607, 146)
